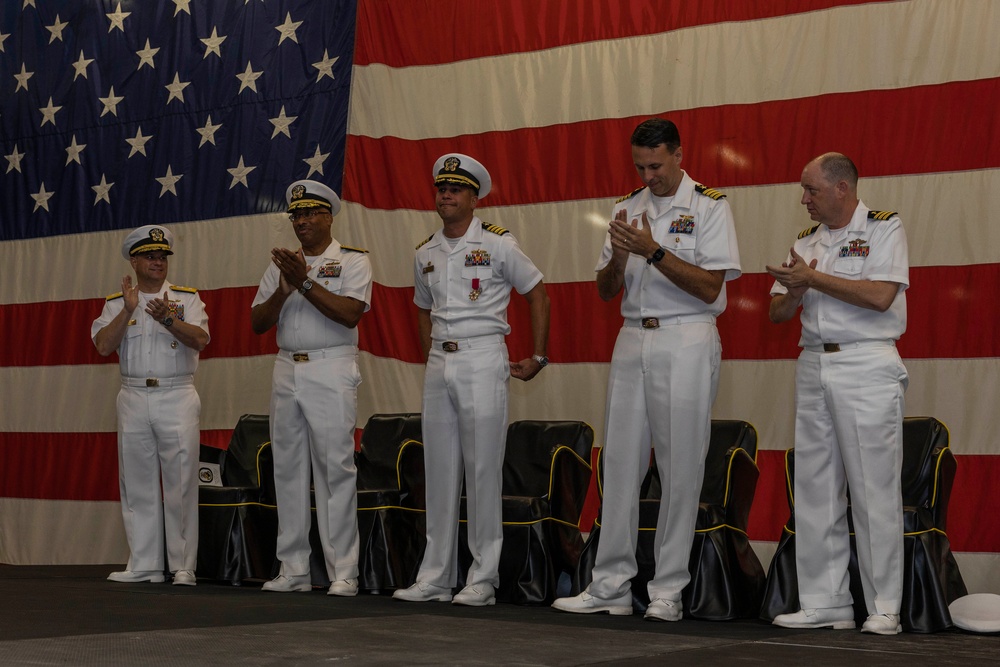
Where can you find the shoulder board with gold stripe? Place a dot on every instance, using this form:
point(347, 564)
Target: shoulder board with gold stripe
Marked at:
point(630, 195)
point(352, 249)
point(807, 232)
point(496, 229)
point(425, 241)
point(881, 215)
point(711, 193)
point(116, 295)
point(181, 288)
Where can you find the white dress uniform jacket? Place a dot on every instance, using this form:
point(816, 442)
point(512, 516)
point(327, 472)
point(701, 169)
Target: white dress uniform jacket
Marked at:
point(849, 418)
point(158, 431)
point(661, 388)
point(313, 415)
point(465, 391)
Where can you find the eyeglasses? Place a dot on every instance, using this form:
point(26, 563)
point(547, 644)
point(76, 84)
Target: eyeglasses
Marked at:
point(306, 214)
point(153, 257)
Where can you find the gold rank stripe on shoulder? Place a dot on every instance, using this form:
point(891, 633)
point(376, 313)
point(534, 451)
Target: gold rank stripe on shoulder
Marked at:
point(711, 193)
point(424, 242)
point(496, 229)
point(881, 215)
point(630, 195)
point(116, 295)
point(181, 288)
point(352, 249)
point(807, 232)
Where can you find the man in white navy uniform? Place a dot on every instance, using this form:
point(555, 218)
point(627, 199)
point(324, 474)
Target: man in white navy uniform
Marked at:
point(316, 296)
point(671, 246)
point(464, 274)
point(849, 273)
point(158, 329)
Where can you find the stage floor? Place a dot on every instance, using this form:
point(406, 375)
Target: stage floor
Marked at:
point(69, 615)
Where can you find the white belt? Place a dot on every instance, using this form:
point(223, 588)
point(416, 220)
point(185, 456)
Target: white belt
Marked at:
point(839, 347)
point(456, 344)
point(657, 322)
point(160, 383)
point(313, 355)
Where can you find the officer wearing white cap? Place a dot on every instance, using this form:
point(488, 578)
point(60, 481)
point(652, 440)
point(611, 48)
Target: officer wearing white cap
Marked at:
point(463, 275)
point(671, 247)
point(158, 329)
point(316, 296)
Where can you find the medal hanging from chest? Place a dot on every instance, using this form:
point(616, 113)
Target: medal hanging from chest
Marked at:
point(474, 294)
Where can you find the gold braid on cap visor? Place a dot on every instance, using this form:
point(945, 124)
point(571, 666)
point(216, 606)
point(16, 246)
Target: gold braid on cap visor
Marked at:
point(148, 247)
point(457, 179)
point(309, 203)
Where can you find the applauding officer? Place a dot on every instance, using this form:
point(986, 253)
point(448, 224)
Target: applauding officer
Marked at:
point(158, 329)
point(316, 296)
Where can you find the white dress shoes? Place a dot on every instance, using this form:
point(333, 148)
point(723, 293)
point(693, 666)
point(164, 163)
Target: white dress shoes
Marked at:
point(284, 583)
point(585, 603)
point(134, 577)
point(664, 610)
point(882, 624)
point(479, 595)
point(185, 578)
point(423, 592)
point(345, 588)
point(837, 618)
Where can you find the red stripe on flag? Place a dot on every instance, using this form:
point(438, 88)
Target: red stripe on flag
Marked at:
point(583, 329)
point(84, 466)
point(724, 146)
point(404, 34)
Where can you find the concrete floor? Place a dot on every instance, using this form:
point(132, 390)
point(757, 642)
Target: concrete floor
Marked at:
point(72, 616)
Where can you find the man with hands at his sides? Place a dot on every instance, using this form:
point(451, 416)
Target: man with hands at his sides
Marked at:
point(849, 274)
point(158, 329)
point(316, 296)
point(463, 276)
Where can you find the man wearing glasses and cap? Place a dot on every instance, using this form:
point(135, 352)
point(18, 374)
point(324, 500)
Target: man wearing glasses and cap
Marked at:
point(463, 275)
point(158, 329)
point(316, 296)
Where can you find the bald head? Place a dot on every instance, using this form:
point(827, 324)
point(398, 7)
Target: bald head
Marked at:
point(838, 167)
point(830, 189)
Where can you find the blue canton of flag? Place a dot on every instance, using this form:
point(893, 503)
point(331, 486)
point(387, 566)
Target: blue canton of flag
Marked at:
point(118, 114)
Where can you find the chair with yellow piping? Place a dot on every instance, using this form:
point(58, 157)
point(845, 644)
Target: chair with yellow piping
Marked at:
point(727, 579)
point(390, 545)
point(546, 474)
point(931, 577)
point(238, 521)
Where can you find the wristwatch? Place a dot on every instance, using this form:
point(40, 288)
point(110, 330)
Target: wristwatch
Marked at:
point(657, 256)
point(306, 286)
point(542, 360)
point(167, 321)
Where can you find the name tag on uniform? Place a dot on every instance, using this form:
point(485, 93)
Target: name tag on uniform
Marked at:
point(428, 269)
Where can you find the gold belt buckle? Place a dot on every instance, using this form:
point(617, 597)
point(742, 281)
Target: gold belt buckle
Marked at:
point(831, 347)
point(152, 382)
point(300, 356)
point(650, 323)
point(449, 346)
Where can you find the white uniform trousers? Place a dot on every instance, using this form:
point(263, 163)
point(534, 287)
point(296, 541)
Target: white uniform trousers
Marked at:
point(662, 385)
point(313, 413)
point(849, 433)
point(464, 425)
point(158, 436)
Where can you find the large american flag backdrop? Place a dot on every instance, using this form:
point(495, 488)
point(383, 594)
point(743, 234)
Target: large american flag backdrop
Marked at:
point(197, 114)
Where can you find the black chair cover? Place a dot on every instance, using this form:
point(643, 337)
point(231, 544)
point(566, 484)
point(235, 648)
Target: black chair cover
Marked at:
point(727, 579)
point(931, 577)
